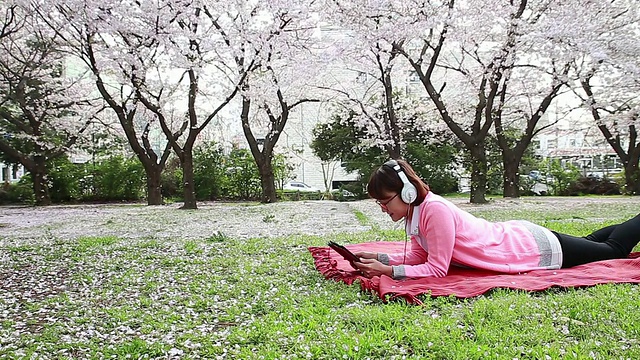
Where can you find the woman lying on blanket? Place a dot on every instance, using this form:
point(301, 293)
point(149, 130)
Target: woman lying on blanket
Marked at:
point(443, 235)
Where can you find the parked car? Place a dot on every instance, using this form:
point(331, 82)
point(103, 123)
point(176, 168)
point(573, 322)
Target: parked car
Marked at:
point(540, 189)
point(535, 175)
point(299, 186)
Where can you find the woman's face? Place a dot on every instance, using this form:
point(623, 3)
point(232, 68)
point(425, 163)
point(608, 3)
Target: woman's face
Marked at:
point(393, 205)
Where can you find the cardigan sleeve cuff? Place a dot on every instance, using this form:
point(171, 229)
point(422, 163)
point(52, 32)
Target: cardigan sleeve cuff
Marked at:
point(383, 258)
point(397, 272)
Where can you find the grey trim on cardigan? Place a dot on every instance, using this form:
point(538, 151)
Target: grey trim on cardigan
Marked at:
point(543, 238)
point(397, 272)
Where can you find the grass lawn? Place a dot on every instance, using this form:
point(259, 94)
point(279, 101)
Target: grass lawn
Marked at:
point(222, 297)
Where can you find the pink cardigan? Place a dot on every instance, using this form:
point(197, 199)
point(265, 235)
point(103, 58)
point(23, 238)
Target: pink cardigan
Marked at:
point(442, 235)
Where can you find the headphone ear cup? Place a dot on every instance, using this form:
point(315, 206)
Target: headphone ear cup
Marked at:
point(409, 193)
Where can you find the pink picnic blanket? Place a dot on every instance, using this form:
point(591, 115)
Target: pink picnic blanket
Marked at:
point(464, 283)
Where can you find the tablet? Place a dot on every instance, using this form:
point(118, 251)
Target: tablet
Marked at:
point(344, 252)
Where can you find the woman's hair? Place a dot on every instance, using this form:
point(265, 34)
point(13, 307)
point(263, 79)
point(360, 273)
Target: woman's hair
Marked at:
point(385, 180)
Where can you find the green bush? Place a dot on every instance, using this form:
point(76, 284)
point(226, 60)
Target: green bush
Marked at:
point(171, 180)
point(434, 164)
point(17, 193)
point(593, 185)
point(65, 181)
point(243, 176)
point(356, 188)
point(65, 178)
point(433, 155)
point(563, 177)
point(119, 178)
point(208, 172)
point(294, 195)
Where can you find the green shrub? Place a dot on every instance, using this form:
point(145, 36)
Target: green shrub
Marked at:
point(171, 180)
point(593, 185)
point(17, 193)
point(563, 177)
point(65, 180)
point(434, 163)
point(208, 172)
point(242, 172)
point(119, 178)
point(294, 195)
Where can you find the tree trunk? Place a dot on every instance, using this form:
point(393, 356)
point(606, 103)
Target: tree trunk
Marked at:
point(632, 182)
point(40, 186)
point(478, 174)
point(187, 179)
point(394, 152)
point(263, 157)
point(511, 177)
point(153, 171)
point(154, 186)
point(152, 163)
point(632, 174)
point(267, 181)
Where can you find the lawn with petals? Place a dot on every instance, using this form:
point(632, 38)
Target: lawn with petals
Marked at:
point(236, 281)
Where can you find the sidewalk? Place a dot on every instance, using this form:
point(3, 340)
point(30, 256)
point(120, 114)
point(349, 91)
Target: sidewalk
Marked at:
point(249, 220)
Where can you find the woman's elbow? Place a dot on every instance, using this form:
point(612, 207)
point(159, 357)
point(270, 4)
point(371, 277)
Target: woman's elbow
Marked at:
point(440, 272)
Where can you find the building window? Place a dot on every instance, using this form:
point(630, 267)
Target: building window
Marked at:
point(414, 77)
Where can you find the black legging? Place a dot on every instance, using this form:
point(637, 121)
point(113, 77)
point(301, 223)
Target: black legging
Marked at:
point(611, 242)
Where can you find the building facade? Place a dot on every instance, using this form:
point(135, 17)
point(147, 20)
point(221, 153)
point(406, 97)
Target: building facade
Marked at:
point(11, 173)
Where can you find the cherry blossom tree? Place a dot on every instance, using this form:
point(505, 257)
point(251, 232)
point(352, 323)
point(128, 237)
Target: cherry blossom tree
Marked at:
point(285, 62)
point(44, 109)
point(100, 52)
point(276, 116)
point(484, 68)
point(417, 30)
point(375, 100)
point(618, 120)
point(608, 79)
point(10, 22)
point(491, 74)
point(183, 62)
point(166, 61)
point(372, 88)
point(530, 79)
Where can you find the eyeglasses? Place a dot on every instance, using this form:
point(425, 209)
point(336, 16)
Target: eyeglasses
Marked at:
point(384, 204)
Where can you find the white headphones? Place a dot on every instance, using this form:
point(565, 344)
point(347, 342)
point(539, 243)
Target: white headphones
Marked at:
point(409, 193)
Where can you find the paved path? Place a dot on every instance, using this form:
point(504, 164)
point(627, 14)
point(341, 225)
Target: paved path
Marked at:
point(247, 220)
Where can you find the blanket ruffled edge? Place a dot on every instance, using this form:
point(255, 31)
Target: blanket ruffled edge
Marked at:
point(464, 283)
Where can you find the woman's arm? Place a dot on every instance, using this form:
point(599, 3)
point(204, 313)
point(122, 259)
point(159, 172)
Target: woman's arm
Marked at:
point(437, 226)
point(415, 254)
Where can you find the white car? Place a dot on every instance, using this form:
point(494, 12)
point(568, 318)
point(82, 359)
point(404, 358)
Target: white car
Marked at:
point(299, 186)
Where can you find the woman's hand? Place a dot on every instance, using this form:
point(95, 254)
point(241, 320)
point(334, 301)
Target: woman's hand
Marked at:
point(371, 268)
point(366, 255)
